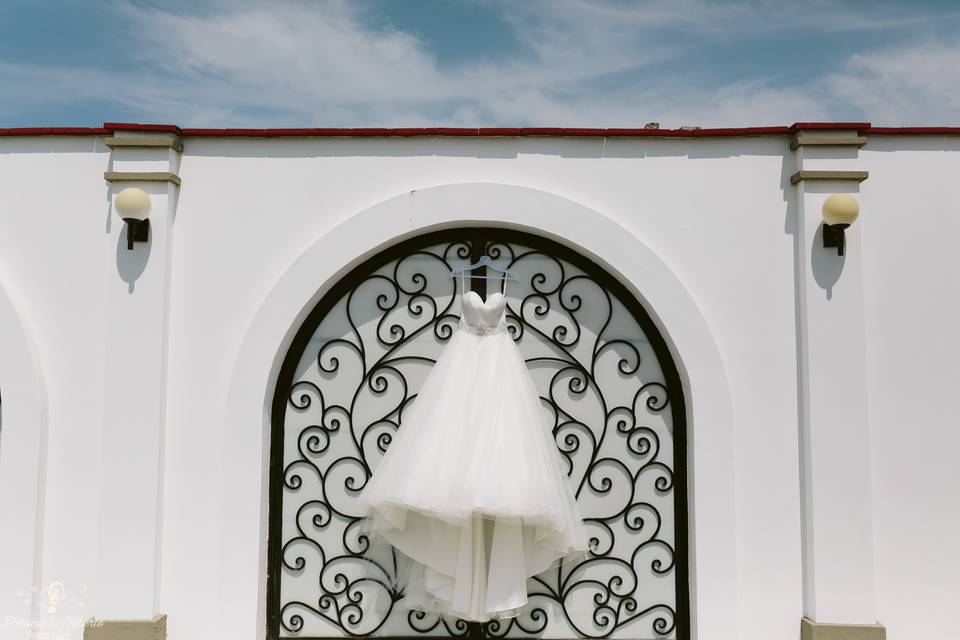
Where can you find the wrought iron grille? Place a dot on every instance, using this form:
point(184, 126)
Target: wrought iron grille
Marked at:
point(609, 390)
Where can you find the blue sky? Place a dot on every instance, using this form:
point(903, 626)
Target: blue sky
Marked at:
point(602, 63)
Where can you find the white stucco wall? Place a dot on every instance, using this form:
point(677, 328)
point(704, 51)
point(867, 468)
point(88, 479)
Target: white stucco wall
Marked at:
point(717, 214)
point(55, 263)
point(911, 284)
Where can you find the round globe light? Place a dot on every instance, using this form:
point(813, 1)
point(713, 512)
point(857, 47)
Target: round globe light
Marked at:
point(132, 204)
point(840, 208)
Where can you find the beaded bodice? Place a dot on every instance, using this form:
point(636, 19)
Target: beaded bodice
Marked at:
point(481, 317)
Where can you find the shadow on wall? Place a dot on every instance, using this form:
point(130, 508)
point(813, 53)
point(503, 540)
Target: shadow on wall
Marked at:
point(887, 144)
point(131, 262)
point(52, 144)
point(825, 264)
point(503, 148)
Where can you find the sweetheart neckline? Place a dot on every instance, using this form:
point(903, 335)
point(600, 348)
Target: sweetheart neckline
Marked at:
point(484, 303)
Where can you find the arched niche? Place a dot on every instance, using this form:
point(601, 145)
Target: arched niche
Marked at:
point(23, 437)
point(312, 275)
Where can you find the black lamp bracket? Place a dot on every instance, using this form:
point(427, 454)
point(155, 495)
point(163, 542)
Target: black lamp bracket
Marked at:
point(137, 231)
point(834, 236)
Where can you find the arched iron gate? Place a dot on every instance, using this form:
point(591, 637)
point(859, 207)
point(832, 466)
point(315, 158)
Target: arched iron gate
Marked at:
point(608, 386)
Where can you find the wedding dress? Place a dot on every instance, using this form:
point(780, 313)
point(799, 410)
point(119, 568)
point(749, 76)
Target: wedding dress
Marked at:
point(472, 493)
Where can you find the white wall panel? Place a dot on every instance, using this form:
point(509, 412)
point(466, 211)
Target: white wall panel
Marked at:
point(716, 213)
point(910, 221)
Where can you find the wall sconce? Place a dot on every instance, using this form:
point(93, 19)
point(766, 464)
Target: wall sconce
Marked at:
point(839, 211)
point(133, 205)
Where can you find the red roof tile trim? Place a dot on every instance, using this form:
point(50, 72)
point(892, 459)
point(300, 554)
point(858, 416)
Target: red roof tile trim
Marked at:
point(109, 127)
point(858, 126)
point(914, 131)
point(475, 132)
point(133, 126)
point(55, 131)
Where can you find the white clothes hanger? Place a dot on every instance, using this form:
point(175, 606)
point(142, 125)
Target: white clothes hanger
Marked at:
point(484, 261)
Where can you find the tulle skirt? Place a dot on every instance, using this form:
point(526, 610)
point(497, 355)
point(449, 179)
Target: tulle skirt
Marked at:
point(472, 493)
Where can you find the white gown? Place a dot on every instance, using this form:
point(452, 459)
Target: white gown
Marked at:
point(472, 491)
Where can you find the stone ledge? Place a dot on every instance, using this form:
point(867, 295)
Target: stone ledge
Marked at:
point(810, 630)
point(155, 629)
point(141, 176)
point(144, 143)
point(800, 176)
point(827, 141)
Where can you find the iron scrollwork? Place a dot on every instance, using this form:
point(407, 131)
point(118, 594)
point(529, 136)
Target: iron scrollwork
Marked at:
point(609, 391)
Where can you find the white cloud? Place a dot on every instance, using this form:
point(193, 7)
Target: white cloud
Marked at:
point(907, 86)
point(320, 64)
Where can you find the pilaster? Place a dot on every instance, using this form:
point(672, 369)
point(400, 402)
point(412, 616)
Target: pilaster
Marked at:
point(834, 436)
point(131, 471)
